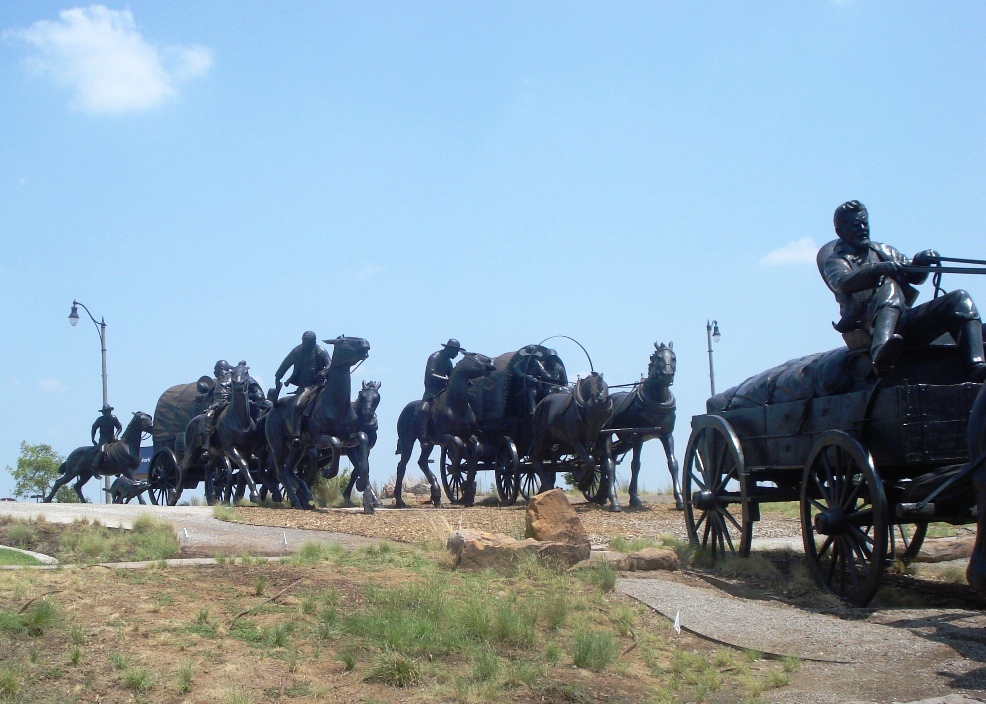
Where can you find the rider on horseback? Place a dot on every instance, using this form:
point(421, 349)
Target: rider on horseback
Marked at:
point(310, 362)
point(873, 287)
point(218, 396)
point(108, 426)
point(437, 371)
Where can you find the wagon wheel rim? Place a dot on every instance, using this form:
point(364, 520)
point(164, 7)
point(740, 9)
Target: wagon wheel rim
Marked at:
point(507, 472)
point(452, 479)
point(717, 516)
point(221, 470)
point(844, 518)
point(165, 475)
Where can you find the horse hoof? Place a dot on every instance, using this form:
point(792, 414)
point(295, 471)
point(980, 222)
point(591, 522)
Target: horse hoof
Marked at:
point(255, 498)
point(399, 503)
point(635, 502)
point(615, 508)
point(679, 506)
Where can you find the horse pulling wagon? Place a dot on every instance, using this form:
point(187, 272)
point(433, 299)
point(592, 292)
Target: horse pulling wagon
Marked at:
point(237, 452)
point(870, 460)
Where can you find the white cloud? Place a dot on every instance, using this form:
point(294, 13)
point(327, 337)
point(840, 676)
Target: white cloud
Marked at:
point(801, 251)
point(100, 54)
point(51, 386)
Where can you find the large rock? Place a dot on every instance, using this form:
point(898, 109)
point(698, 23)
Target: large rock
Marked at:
point(476, 550)
point(641, 561)
point(550, 517)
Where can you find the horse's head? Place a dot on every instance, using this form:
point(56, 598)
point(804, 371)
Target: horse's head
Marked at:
point(368, 399)
point(663, 364)
point(348, 351)
point(240, 378)
point(592, 391)
point(473, 365)
point(142, 421)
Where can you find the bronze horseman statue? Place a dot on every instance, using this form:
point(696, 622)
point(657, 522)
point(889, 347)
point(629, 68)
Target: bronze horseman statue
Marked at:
point(875, 290)
point(108, 426)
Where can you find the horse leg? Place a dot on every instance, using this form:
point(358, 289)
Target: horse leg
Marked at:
point(406, 449)
point(347, 493)
point(64, 479)
point(425, 467)
point(83, 478)
point(244, 468)
point(668, 443)
point(609, 476)
point(638, 444)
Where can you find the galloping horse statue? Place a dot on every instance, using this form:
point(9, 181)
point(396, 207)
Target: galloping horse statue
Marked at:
point(449, 421)
point(365, 408)
point(571, 422)
point(976, 571)
point(331, 423)
point(122, 457)
point(645, 413)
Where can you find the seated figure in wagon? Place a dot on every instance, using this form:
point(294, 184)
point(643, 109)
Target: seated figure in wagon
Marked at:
point(876, 295)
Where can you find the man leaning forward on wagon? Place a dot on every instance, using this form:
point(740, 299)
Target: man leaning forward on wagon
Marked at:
point(308, 363)
point(876, 293)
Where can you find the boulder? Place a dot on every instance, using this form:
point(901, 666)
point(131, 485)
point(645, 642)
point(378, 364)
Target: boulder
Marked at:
point(641, 561)
point(550, 517)
point(476, 550)
point(944, 549)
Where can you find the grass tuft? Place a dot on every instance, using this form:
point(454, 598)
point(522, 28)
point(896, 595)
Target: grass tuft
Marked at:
point(396, 670)
point(592, 649)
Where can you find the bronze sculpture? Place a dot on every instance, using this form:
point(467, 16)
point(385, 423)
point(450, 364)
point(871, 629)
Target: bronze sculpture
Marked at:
point(572, 422)
point(976, 571)
point(365, 408)
point(297, 441)
point(121, 457)
point(447, 420)
point(874, 286)
point(108, 425)
point(646, 412)
point(438, 368)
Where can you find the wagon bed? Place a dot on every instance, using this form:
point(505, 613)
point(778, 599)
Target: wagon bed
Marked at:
point(866, 457)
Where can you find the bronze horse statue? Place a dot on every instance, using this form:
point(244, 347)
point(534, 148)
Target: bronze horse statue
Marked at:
point(295, 439)
point(976, 571)
point(237, 430)
point(449, 421)
point(365, 408)
point(122, 457)
point(572, 422)
point(647, 412)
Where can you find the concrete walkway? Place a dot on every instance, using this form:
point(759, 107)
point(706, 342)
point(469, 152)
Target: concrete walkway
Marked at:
point(194, 525)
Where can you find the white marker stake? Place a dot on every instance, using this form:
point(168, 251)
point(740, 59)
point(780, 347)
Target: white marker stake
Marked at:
point(677, 622)
point(284, 540)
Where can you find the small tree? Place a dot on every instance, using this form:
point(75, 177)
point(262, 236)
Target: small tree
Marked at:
point(36, 472)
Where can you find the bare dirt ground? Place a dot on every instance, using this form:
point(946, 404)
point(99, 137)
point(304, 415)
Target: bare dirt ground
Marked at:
point(922, 638)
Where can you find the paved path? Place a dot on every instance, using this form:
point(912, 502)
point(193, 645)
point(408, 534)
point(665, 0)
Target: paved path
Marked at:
point(196, 528)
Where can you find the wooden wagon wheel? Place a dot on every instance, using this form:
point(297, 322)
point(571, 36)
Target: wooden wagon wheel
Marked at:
point(594, 486)
point(528, 480)
point(218, 479)
point(844, 519)
point(717, 515)
point(507, 471)
point(163, 480)
point(452, 478)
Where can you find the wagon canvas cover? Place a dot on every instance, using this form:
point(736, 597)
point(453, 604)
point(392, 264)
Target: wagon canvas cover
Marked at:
point(174, 409)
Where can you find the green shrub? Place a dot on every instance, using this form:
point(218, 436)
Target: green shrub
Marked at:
point(593, 649)
point(395, 670)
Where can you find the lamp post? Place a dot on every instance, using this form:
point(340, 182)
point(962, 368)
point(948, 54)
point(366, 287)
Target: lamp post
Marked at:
point(712, 332)
point(73, 318)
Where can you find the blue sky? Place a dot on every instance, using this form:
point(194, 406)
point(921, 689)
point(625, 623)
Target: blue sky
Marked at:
point(216, 179)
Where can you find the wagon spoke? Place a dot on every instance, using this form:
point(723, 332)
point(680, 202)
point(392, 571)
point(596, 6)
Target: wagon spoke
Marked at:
point(851, 500)
point(725, 529)
point(732, 520)
point(862, 536)
point(708, 528)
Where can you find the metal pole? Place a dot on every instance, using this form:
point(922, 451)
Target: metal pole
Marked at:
point(101, 329)
point(102, 344)
point(712, 374)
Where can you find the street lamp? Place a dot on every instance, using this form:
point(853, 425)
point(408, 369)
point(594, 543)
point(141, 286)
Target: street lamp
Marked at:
point(712, 332)
point(73, 318)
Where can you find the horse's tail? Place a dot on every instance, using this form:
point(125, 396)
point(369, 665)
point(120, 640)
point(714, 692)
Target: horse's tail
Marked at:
point(405, 427)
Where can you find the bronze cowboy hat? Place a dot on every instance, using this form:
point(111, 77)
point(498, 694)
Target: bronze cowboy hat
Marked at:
point(453, 344)
point(106, 408)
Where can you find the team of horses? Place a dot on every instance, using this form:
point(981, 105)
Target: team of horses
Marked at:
point(569, 420)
